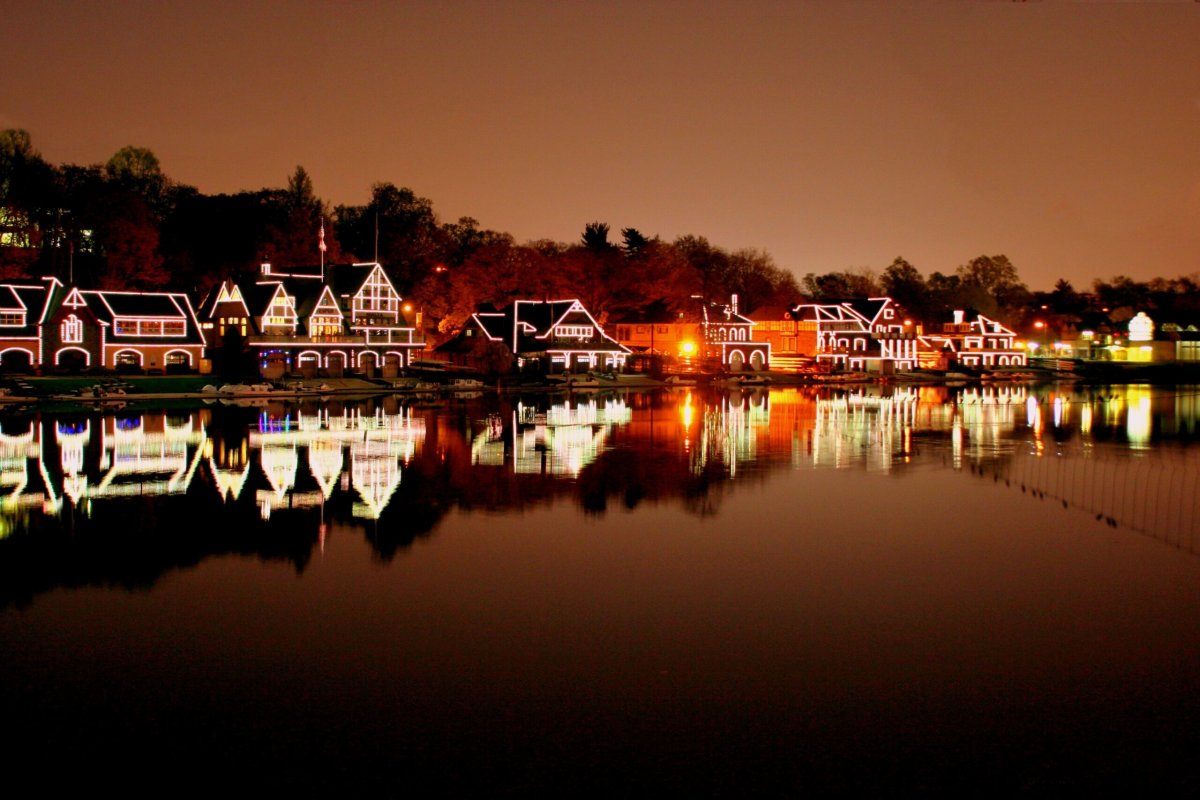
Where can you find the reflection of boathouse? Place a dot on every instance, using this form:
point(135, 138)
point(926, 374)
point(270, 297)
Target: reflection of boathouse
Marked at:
point(1108, 452)
point(378, 445)
point(143, 455)
point(559, 440)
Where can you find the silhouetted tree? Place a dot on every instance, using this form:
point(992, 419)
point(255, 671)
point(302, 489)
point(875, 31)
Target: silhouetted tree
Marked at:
point(28, 203)
point(410, 241)
point(633, 242)
point(991, 285)
point(904, 283)
point(137, 170)
point(595, 237)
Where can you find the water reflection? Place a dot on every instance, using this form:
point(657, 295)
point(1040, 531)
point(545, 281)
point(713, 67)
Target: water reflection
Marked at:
point(1123, 455)
point(378, 444)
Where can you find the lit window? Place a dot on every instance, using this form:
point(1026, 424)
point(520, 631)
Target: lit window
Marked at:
point(71, 330)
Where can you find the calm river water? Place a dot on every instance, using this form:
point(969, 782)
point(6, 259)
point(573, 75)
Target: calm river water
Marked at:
point(994, 589)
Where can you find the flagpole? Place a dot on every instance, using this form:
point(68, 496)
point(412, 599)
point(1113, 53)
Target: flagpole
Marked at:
point(321, 247)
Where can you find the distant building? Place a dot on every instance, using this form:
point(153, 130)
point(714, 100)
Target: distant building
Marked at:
point(712, 333)
point(980, 343)
point(561, 334)
point(871, 334)
point(793, 344)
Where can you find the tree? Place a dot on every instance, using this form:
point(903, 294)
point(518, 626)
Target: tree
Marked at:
point(1064, 299)
point(1121, 291)
point(595, 237)
point(464, 237)
point(634, 243)
point(902, 282)
point(207, 238)
point(944, 295)
point(294, 235)
point(842, 285)
point(992, 285)
point(136, 169)
point(411, 243)
point(28, 201)
point(300, 193)
point(709, 264)
point(128, 239)
point(757, 281)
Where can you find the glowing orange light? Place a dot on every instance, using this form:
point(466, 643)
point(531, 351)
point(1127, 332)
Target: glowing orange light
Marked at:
point(687, 348)
point(1039, 324)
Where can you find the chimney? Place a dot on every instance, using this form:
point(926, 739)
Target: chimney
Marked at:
point(958, 316)
point(733, 302)
point(266, 268)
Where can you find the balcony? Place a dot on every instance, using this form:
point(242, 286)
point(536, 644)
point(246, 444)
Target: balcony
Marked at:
point(392, 336)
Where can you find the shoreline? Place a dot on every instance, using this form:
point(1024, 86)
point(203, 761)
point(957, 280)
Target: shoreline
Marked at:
point(112, 390)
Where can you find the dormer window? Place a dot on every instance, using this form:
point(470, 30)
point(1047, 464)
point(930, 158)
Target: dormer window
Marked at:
point(12, 319)
point(573, 331)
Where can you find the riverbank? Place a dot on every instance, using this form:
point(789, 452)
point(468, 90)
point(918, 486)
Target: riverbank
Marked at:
point(113, 389)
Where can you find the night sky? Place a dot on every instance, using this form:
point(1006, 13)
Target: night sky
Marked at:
point(832, 136)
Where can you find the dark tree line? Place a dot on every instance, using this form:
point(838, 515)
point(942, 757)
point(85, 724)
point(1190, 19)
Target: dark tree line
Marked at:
point(990, 285)
point(125, 224)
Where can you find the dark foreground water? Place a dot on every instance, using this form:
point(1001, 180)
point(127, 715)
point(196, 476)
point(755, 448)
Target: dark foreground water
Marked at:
point(990, 590)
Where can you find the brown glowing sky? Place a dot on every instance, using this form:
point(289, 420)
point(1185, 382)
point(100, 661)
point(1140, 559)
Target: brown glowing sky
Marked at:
point(833, 136)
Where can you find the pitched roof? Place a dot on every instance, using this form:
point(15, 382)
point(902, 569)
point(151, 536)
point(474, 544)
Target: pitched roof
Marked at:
point(770, 313)
point(167, 305)
point(530, 323)
point(30, 299)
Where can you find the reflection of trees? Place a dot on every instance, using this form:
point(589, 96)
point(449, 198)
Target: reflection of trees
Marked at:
point(130, 543)
point(634, 477)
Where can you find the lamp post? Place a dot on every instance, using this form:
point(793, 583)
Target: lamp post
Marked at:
point(1040, 327)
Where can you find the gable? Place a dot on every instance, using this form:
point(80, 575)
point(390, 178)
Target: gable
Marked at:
point(376, 298)
point(561, 318)
point(230, 292)
point(75, 299)
point(327, 305)
point(10, 300)
point(280, 310)
point(14, 310)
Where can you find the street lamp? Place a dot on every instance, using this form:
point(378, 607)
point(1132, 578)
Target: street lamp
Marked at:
point(1040, 327)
